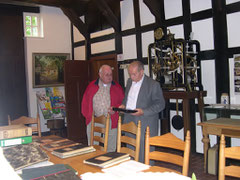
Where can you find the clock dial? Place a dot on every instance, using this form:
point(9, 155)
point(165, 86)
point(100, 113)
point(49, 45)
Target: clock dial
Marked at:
point(158, 33)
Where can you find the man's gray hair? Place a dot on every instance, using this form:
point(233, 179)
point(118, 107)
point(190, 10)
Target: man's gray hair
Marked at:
point(138, 64)
point(100, 69)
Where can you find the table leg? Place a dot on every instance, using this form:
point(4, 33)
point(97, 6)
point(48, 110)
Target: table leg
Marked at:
point(200, 106)
point(205, 141)
point(186, 116)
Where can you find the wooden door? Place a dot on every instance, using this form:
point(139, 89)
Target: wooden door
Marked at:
point(77, 75)
point(76, 80)
point(98, 61)
point(13, 92)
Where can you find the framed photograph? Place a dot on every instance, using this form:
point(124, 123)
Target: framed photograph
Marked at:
point(48, 69)
point(237, 73)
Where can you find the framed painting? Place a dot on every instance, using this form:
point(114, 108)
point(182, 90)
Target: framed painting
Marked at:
point(48, 69)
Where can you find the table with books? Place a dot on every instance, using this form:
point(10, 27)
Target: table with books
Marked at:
point(69, 158)
point(93, 163)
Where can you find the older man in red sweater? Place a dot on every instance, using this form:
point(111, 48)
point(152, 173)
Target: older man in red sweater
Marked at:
point(99, 96)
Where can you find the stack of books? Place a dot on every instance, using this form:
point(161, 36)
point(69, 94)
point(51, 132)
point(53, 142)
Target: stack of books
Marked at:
point(107, 159)
point(73, 150)
point(64, 148)
point(15, 134)
point(50, 139)
point(58, 144)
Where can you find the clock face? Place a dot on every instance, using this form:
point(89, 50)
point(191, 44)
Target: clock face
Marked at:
point(158, 33)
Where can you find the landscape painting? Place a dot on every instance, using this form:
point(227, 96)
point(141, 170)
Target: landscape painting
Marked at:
point(48, 69)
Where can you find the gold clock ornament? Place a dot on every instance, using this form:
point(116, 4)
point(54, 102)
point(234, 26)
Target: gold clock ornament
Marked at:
point(158, 33)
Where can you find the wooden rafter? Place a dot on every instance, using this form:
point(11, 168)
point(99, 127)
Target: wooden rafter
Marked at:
point(77, 22)
point(107, 12)
point(154, 7)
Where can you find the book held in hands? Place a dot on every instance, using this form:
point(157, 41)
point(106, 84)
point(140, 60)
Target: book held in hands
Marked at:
point(107, 159)
point(73, 150)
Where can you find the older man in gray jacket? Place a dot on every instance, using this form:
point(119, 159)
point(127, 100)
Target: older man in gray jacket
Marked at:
point(144, 95)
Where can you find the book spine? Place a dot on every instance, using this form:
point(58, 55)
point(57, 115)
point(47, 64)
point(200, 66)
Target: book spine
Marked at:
point(15, 141)
point(13, 133)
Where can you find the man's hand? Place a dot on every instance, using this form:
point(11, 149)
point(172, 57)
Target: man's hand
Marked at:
point(138, 113)
point(122, 106)
point(110, 110)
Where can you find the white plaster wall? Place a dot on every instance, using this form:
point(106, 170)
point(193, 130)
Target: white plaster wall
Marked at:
point(103, 46)
point(147, 38)
point(77, 36)
point(197, 5)
point(233, 29)
point(127, 14)
point(57, 39)
point(173, 8)
point(79, 53)
point(146, 17)
point(177, 30)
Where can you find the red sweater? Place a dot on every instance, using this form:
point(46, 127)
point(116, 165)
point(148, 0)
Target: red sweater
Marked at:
point(116, 95)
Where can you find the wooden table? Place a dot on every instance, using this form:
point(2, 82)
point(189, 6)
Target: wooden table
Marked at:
point(188, 111)
point(77, 163)
point(228, 127)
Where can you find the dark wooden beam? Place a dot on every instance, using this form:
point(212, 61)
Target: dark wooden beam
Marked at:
point(186, 19)
point(109, 15)
point(55, 3)
point(221, 47)
point(136, 9)
point(155, 8)
point(76, 21)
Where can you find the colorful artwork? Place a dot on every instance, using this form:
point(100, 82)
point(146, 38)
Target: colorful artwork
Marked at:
point(51, 102)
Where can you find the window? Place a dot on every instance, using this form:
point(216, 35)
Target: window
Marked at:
point(32, 25)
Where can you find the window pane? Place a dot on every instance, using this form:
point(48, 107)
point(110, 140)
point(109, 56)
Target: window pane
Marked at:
point(35, 31)
point(34, 21)
point(28, 31)
point(28, 20)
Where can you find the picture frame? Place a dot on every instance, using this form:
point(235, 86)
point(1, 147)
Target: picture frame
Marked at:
point(48, 69)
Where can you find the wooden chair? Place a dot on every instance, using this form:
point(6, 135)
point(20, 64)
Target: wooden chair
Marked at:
point(99, 132)
point(29, 121)
point(169, 142)
point(123, 138)
point(225, 153)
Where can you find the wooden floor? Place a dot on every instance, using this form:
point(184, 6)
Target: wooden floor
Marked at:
point(196, 166)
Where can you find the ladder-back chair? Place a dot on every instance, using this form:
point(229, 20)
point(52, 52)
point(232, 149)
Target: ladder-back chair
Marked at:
point(134, 130)
point(99, 132)
point(34, 123)
point(170, 143)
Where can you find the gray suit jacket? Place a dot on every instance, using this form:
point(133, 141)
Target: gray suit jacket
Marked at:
point(151, 101)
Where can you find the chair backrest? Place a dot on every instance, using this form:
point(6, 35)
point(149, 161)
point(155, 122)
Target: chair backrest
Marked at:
point(122, 137)
point(33, 122)
point(99, 132)
point(225, 153)
point(169, 142)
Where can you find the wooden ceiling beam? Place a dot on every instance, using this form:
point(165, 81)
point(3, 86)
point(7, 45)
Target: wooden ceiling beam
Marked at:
point(154, 7)
point(108, 13)
point(55, 3)
point(76, 21)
